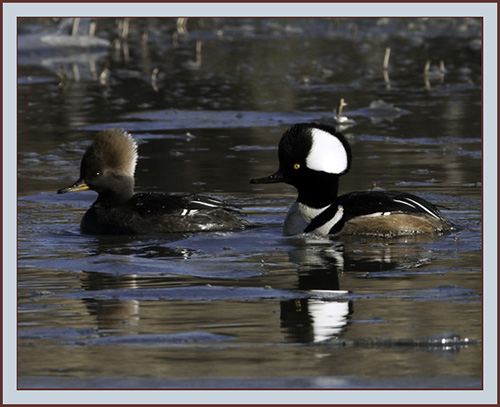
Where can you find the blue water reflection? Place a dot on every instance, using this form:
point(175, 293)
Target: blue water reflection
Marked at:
point(207, 99)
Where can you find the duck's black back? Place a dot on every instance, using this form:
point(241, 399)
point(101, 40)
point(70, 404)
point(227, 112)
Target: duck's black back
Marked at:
point(147, 213)
point(370, 202)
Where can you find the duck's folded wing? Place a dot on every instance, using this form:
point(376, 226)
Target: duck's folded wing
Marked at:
point(204, 202)
point(154, 204)
point(383, 203)
point(172, 213)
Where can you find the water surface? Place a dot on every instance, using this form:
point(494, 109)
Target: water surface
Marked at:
point(252, 309)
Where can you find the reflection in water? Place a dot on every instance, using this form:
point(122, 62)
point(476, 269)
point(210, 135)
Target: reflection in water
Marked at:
point(316, 319)
point(322, 313)
point(112, 315)
point(217, 125)
point(115, 315)
point(154, 247)
point(320, 261)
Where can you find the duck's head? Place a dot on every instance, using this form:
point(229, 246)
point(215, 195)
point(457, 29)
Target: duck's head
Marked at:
point(311, 158)
point(108, 166)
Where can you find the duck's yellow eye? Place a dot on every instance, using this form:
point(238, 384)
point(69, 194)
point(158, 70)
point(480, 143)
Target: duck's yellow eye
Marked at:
point(296, 166)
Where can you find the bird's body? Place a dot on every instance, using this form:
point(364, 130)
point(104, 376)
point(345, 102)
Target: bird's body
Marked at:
point(108, 168)
point(312, 157)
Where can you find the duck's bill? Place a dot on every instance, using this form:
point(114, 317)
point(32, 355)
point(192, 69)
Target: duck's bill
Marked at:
point(276, 177)
point(79, 185)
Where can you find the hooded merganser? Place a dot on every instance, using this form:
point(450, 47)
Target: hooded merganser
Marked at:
point(312, 157)
point(108, 168)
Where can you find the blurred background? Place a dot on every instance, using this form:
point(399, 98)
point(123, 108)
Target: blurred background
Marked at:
point(217, 93)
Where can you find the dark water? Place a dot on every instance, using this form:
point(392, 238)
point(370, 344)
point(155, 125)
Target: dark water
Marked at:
point(251, 309)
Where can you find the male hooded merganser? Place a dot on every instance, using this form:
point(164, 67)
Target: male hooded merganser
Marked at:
point(312, 157)
point(108, 168)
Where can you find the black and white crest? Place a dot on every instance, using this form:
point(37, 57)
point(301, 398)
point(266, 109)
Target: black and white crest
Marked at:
point(328, 152)
point(318, 147)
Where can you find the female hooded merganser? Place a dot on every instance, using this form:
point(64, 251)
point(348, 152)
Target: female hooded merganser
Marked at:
point(108, 168)
point(312, 157)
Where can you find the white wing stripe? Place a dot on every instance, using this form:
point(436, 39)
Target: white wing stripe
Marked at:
point(209, 205)
point(424, 208)
point(188, 212)
point(403, 202)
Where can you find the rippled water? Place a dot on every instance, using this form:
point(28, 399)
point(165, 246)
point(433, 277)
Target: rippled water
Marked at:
point(252, 309)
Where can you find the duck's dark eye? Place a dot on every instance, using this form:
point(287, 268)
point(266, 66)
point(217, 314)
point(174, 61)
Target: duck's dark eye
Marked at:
point(97, 174)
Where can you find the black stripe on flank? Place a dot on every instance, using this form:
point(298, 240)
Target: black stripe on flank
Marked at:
point(324, 217)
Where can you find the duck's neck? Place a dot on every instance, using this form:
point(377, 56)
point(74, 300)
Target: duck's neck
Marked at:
point(318, 194)
point(117, 192)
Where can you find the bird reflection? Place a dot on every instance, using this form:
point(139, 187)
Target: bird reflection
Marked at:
point(326, 313)
point(111, 314)
point(321, 312)
point(121, 256)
